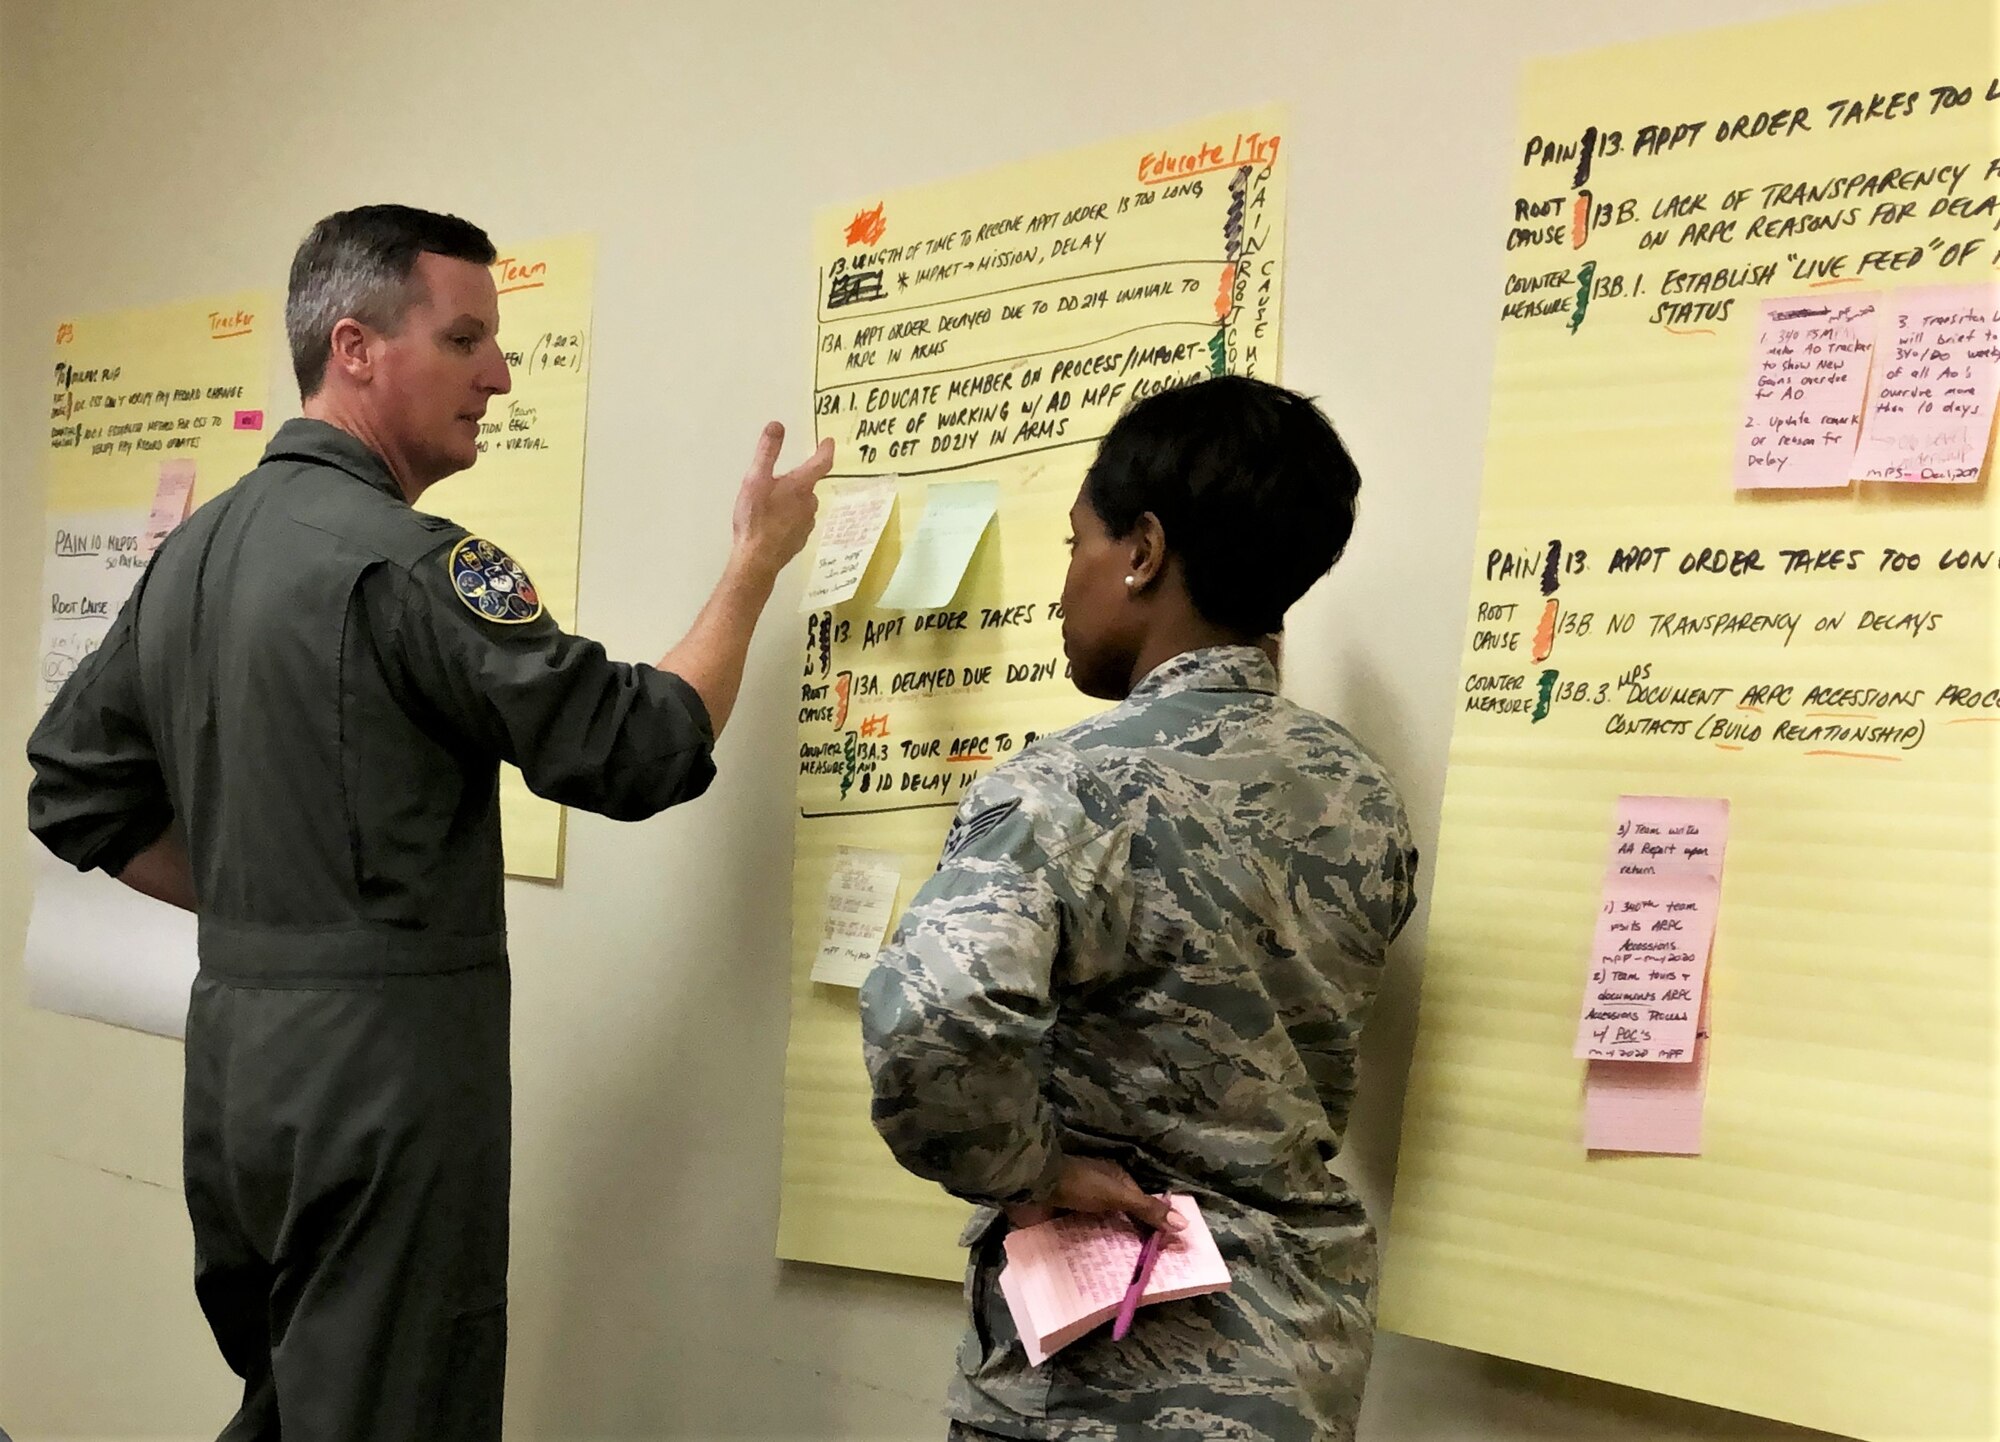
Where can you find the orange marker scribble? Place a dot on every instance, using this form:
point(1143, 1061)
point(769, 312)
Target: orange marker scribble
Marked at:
point(1579, 221)
point(1855, 755)
point(1975, 721)
point(1224, 293)
point(1676, 330)
point(510, 289)
point(1746, 706)
point(843, 691)
point(969, 756)
point(1725, 746)
point(1840, 280)
point(1844, 715)
point(228, 334)
point(867, 226)
point(1545, 632)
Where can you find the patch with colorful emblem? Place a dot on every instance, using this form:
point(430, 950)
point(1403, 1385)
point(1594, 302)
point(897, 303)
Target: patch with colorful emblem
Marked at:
point(492, 583)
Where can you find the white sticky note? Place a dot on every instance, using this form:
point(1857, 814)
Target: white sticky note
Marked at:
point(848, 534)
point(860, 899)
point(956, 515)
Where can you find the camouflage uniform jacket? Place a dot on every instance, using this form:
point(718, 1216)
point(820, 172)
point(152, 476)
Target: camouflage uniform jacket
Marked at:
point(1153, 938)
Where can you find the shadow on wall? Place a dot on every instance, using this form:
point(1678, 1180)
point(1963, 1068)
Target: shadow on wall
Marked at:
point(1372, 709)
point(1425, 1392)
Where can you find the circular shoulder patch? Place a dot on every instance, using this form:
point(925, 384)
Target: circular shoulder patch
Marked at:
point(492, 583)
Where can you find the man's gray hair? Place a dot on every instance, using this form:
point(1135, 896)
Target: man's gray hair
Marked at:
point(360, 263)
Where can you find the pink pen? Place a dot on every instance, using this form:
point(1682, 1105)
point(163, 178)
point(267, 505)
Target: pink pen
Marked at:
point(1148, 1254)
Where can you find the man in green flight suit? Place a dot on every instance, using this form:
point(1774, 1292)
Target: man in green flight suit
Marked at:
point(294, 729)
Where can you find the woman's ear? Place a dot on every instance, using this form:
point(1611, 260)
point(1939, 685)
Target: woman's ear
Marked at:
point(1147, 556)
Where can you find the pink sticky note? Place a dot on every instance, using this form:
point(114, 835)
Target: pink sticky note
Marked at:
point(1802, 408)
point(1065, 1277)
point(1635, 1106)
point(171, 494)
point(249, 420)
point(1931, 417)
point(1659, 835)
point(1648, 960)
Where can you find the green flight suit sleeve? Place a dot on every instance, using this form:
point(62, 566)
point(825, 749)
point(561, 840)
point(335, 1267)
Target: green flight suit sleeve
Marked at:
point(98, 797)
point(621, 740)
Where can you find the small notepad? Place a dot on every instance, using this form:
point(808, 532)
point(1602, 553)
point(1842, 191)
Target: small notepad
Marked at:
point(1066, 1277)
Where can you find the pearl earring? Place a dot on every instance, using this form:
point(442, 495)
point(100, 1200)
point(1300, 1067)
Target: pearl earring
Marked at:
point(1131, 580)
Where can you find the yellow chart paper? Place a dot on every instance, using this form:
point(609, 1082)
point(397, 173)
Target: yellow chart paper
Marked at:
point(134, 388)
point(134, 395)
point(985, 329)
point(526, 492)
point(1824, 659)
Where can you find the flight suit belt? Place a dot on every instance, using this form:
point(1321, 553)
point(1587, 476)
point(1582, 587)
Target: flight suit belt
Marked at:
point(253, 952)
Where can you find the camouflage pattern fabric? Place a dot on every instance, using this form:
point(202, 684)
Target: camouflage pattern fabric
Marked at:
point(1154, 938)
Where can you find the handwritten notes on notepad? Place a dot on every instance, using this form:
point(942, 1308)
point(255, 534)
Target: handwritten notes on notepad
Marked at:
point(848, 535)
point(1649, 956)
point(1808, 376)
point(1931, 417)
point(860, 898)
point(1066, 1277)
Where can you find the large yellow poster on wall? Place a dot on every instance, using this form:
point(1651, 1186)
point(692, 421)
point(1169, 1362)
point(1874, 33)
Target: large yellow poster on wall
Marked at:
point(1736, 542)
point(151, 411)
point(526, 492)
point(974, 340)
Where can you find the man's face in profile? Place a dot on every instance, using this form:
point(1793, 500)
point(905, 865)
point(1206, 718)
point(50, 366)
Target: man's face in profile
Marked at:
point(442, 366)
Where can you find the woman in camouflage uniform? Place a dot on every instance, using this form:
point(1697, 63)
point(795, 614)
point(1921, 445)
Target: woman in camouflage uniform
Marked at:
point(1145, 958)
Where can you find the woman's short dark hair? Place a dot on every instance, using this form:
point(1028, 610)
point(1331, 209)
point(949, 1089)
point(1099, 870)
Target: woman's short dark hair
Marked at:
point(1249, 481)
point(358, 263)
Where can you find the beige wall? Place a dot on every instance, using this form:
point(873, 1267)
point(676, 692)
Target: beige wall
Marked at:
point(150, 152)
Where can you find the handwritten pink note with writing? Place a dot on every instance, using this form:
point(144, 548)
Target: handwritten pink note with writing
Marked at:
point(1655, 923)
point(1656, 835)
point(1649, 958)
point(1066, 1277)
point(171, 494)
point(1931, 417)
point(1808, 377)
point(1634, 1106)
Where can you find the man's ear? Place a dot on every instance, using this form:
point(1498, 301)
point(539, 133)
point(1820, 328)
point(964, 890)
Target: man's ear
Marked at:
point(351, 350)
